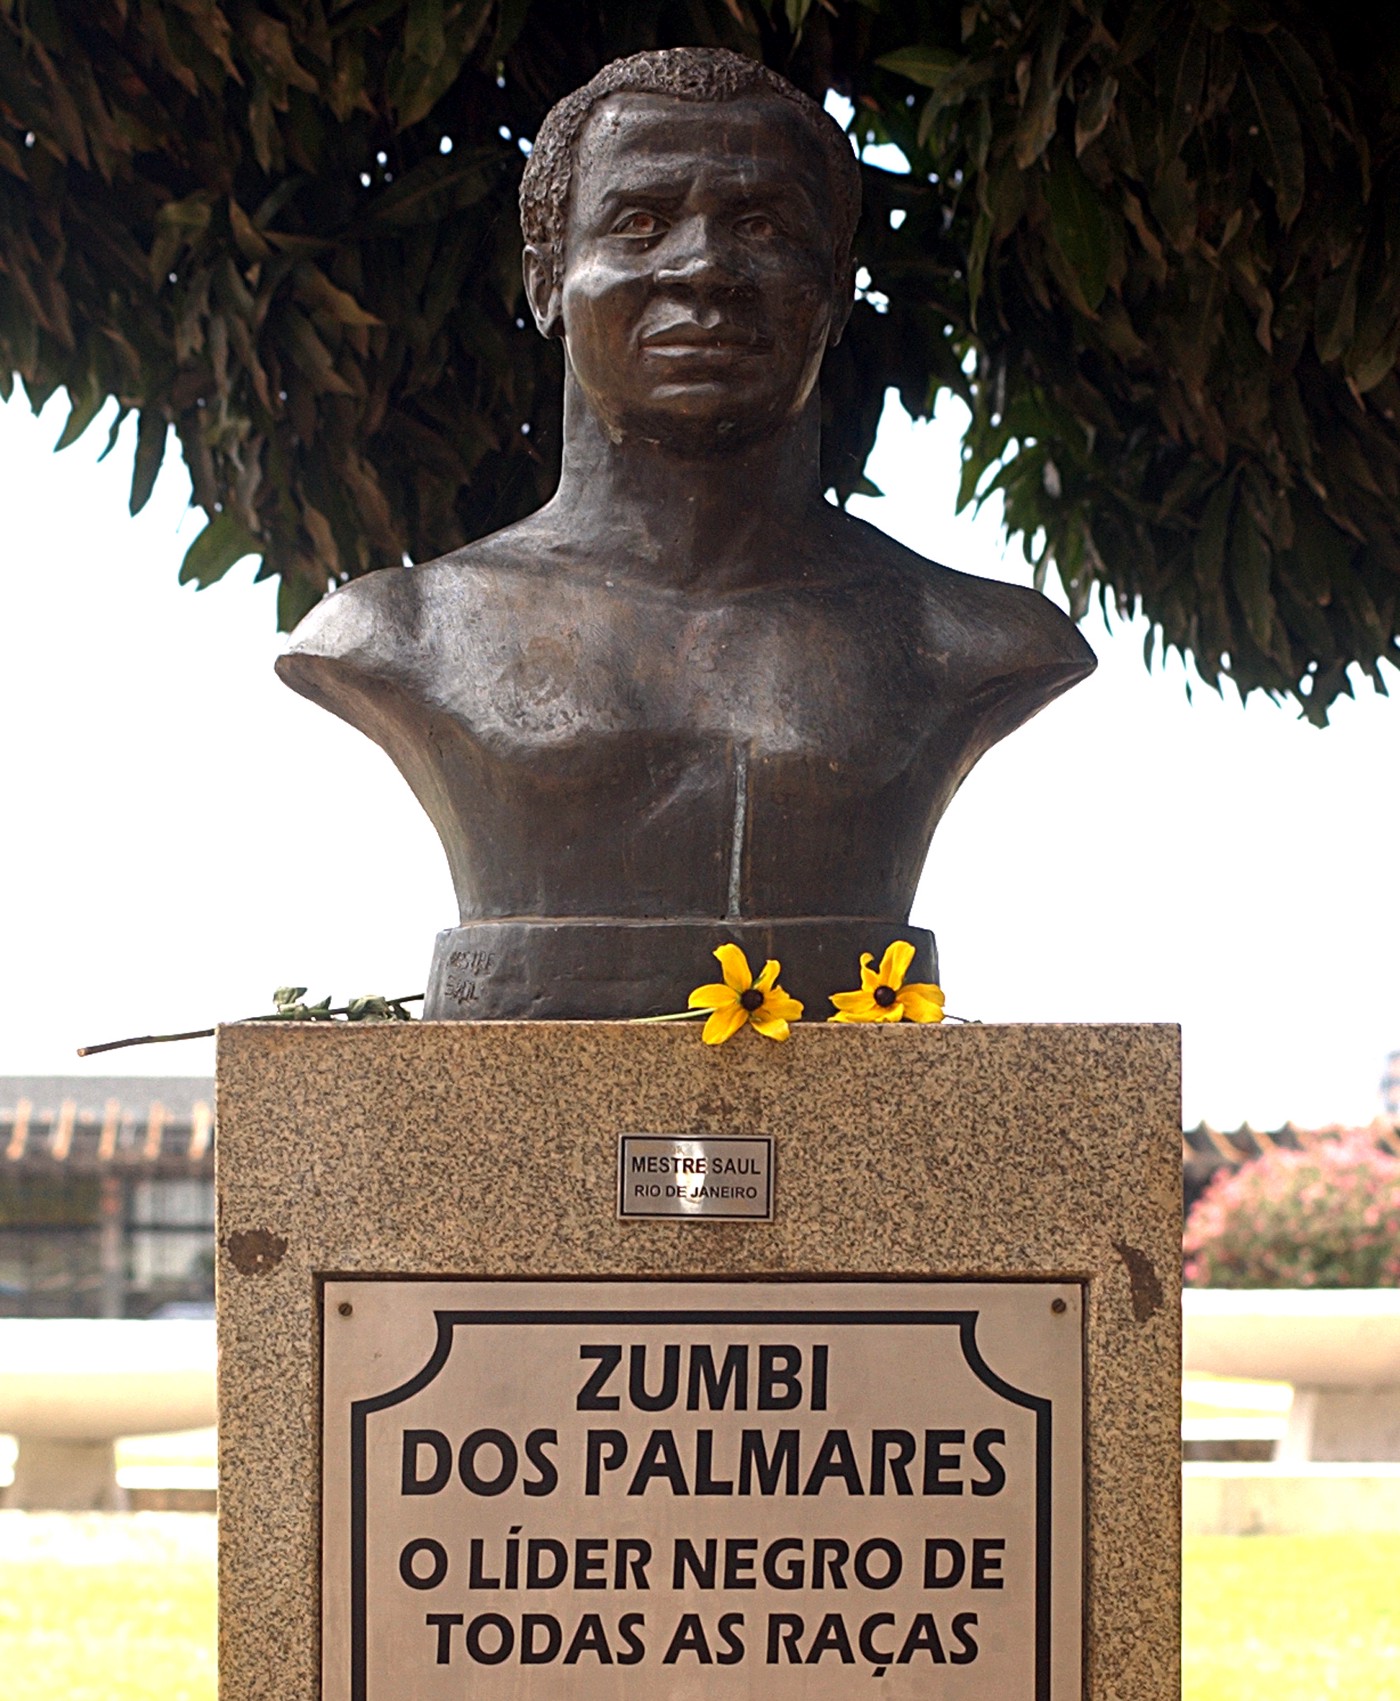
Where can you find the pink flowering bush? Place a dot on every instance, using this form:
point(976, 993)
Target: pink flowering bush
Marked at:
point(1324, 1217)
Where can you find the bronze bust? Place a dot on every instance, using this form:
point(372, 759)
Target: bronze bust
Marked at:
point(688, 700)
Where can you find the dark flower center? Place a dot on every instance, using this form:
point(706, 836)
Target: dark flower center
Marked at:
point(884, 996)
point(751, 999)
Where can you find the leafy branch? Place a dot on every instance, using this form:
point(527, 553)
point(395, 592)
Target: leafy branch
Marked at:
point(288, 1007)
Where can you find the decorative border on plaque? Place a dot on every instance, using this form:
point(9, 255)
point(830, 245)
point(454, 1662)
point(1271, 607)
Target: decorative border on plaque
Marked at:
point(965, 1322)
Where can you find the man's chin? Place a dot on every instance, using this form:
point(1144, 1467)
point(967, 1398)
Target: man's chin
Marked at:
point(701, 420)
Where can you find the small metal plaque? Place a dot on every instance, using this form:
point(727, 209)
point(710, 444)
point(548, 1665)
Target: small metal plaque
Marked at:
point(717, 1177)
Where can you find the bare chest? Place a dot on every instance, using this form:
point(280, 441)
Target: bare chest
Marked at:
point(561, 684)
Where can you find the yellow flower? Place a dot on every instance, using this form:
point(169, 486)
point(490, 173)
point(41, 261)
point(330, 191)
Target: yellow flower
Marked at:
point(883, 996)
point(739, 998)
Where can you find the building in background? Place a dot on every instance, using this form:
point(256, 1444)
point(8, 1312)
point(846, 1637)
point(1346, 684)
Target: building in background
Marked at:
point(106, 1196)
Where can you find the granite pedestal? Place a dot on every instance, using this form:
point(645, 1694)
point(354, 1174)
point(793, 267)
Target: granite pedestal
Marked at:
point(969, 1154)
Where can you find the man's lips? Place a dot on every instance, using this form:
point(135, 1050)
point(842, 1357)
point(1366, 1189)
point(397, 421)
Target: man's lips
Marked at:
point(690, 339)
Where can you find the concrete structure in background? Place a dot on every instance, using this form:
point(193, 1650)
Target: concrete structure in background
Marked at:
point(1340, 1351)
point(1223, 1499)
point(106, 1196)
point(70, 1386)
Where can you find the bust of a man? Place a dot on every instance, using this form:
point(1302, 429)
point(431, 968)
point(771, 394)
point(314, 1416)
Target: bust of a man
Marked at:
point(688, 700)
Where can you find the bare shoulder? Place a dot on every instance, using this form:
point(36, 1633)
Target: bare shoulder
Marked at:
point(381, 625)
point(981, 629)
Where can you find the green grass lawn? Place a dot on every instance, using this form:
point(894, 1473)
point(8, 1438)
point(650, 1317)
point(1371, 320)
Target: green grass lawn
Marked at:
point(1292, 1618)
point(96, 1608)
point(122, 1609)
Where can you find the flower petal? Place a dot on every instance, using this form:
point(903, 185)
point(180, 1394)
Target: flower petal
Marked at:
point(894, 965)
point(771, 1027)
point(853, 1001)
point(769, 976)
point(723, 1023)
point(734, 966)
point(778, 1006)
point(866, 1011)
point(869, 979)
point(921, 1003)
point(715, 996)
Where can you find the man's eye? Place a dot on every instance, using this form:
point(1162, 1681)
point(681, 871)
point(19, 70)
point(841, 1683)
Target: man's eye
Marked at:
point(637, 224)
point(758, 225)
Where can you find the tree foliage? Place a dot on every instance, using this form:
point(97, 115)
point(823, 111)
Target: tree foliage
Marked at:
point(1152, 244)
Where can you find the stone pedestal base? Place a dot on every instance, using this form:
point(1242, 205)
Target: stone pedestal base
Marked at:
point(489, 1150)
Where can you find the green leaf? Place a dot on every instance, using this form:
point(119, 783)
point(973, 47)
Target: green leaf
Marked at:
point(439, 187)
point(509, 26)
point(1173, 201)
point(928, 66)
point(977, 260)
point(151, 430)
point(295, 599)
point(312, 356)
point(114, 431)
point(1041, 111)
point(318, 529)
point(1334, 319)
point(222, 542)
point(1367, 367)
point(250, 241)
point(1249, 574)
point(436, 43)
point(1280, 141)
point(1208, 551)
point(317, 292)
point(1094, 113)
point(1088, 234)
point(1311, 94)
point(1143, 28)
point(1180, 79)
point(179, 225)
point(86, 405)
point(271, 44)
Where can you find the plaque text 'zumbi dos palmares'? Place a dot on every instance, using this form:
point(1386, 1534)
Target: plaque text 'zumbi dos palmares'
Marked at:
point(732, 1491)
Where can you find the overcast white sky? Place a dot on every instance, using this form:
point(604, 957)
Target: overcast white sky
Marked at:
point(180, 834)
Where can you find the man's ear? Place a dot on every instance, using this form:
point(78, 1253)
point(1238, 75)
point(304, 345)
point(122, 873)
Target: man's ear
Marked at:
point(845, 292)
point(542, 291)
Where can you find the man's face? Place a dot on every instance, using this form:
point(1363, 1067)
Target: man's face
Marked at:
point(697, 294)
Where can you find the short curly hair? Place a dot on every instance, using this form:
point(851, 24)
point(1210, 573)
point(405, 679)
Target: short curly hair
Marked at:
point(683, 73)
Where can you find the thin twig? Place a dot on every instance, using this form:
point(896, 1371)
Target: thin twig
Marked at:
point(144, 1039)
point(208, 1033)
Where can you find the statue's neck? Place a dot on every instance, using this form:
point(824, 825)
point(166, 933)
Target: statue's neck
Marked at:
point(687, 518)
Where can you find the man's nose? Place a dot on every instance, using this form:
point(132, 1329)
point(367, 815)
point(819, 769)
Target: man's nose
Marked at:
point(701, 256)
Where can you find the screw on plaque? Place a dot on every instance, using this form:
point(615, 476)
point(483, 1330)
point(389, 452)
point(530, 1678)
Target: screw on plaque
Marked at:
point(1058, 1306)
point(345, 1308)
